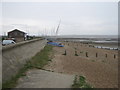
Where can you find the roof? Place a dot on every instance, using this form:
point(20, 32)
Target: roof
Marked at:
point(16, 30)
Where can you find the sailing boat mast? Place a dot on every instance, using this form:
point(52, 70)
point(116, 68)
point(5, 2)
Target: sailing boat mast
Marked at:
point(58, 27)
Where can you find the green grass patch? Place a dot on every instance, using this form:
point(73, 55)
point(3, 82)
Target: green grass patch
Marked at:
point(38, 61)
point(93, 60)
point(80, 82)
point(41, 58)
point(103, 61)
point(81, 52)
point(76, 53)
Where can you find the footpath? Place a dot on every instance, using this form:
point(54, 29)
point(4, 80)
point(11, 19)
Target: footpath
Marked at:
point(45, 79)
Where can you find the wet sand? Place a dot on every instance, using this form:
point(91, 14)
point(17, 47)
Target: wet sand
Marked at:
point(101, 71)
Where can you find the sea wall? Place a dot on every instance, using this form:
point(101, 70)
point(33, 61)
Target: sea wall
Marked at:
point(15, 56)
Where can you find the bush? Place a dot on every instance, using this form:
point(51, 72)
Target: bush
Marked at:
point(80, 83)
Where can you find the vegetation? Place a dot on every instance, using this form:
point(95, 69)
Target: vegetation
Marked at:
point(76, 53)
point(81, 52)
point(41, 58)
point(103, 61)
point(80, 82)
point(93, 60)
point(4, 37)
point(38, 61)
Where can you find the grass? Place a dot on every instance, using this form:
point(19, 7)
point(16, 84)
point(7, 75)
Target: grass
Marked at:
point(42, 57)
point(103, 61)
point(81, 52)
point(38, 61)
point(93, 60)
point(76, 53)
point(80, 82)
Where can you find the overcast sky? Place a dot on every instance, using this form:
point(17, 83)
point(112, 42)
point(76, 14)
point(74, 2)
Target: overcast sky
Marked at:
point(77, 18)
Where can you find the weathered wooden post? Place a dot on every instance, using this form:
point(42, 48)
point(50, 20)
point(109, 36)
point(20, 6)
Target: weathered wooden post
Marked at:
point(65, 53)
point(96, 54)
point(114, 56)
point(76, 53)
point(106, 55)
point(86, 54)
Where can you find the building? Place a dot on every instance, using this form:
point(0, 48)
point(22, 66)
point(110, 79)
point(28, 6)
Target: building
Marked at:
point(17, 35)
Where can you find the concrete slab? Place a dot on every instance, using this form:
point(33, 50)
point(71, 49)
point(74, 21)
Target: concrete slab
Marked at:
point(45, 79)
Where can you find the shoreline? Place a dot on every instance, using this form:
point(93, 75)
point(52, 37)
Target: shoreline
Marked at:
point(109, 46)
point(95, 42)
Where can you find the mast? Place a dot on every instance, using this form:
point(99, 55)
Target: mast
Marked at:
point(58, 27)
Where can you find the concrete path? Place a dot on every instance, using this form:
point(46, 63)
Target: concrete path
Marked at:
point(45, 79)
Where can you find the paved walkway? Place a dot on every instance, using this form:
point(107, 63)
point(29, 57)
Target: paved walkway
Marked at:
point(45, 79)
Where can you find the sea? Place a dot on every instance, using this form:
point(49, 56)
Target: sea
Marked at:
point(104, 41)
point(87, 36)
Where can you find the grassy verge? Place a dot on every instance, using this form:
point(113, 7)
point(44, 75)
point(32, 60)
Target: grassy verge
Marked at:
point(80, 82)
point(38, 61)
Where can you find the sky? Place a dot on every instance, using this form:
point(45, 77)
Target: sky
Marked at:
point(77, 18)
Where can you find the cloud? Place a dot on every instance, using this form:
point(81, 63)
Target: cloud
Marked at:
point(76, 18)
point(80, 26)
point(89, 26)
point(60, 0)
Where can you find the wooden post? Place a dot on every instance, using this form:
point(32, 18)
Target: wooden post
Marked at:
point(65, 53)
point(106, 55)
point(76, 53)
point(114, 56)
point(86, 54)
point(96, 55)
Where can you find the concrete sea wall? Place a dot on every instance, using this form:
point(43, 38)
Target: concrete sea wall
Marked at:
point(15, 56)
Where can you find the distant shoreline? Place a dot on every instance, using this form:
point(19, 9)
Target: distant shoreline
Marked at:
point(85, 36)
point(110, 41)
point(97, 43)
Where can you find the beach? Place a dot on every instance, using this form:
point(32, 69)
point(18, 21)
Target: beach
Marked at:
point(98, 65)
